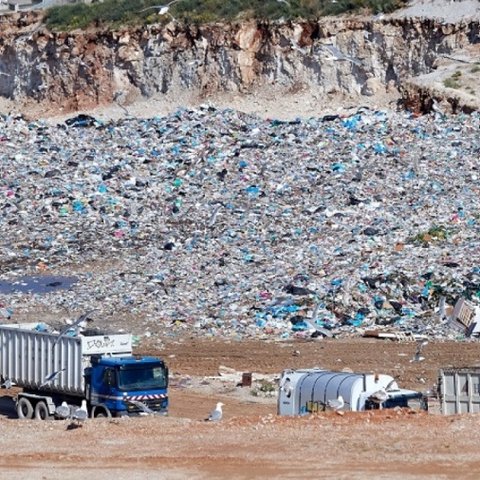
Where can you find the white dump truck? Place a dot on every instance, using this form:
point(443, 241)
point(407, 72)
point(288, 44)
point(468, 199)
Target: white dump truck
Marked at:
point(312, 390)
point(99, 369)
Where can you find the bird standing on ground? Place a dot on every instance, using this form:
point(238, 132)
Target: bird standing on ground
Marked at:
point(63, 411)
point(337, 404)
point(116, 97)
point(79, 416)
point(441, 308)
point(438, 112)
point(418, 357)
point(216, 414)
point(316, 311)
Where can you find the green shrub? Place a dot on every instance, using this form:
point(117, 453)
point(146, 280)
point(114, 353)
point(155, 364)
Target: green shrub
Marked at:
point(451, 82)
point(435, 233)
point(120, 12)
point(265, 388)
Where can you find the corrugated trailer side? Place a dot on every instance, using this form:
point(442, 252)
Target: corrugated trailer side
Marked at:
point(460, 390)
point(28, 356)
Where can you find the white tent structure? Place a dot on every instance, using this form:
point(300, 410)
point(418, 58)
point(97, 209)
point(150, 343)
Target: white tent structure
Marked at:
point(309, 391)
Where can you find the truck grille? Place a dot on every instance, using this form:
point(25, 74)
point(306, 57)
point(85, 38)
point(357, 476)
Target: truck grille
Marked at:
point(153, 402)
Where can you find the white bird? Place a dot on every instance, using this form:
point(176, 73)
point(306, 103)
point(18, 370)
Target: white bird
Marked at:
point(216, 414)
point(81, 414)
point(162, 9)
point(285, 2)
point(418, 357)
point(294, 45)
point(337, 404)
point(50, 378)
point(437, 110)
point(441, 308)
point(116, 97)
point(79, 323)
point(316, 310)
point(336, 55)
point(457, 59)
point(379, 397)
point(213, 217)
point(392, 385)
point(63, 410)
point(144, 408)
point(7, 384)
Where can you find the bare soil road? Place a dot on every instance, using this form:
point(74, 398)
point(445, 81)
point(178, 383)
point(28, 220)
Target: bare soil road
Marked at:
point(252, 441)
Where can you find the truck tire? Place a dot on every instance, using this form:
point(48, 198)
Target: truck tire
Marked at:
point(41, 411)
point(24, 408)
point(101, 412)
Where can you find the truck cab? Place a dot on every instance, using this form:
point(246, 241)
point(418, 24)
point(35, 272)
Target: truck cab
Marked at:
point(118, 386)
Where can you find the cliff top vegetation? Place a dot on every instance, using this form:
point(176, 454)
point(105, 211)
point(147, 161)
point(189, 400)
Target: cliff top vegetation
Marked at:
point(119, 13)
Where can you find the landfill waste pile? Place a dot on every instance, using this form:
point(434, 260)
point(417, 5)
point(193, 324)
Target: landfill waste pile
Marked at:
point(214, 222)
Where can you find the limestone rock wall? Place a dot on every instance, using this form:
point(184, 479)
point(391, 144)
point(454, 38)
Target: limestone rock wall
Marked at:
point(84, 69)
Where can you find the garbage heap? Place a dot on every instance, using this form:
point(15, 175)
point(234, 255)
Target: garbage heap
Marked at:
point(214, 222)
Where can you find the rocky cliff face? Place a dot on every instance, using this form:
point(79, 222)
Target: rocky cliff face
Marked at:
point(84, 69)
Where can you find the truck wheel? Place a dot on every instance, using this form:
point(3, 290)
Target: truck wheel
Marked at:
point(41, 411)
point(24, 408)
point(101, 412)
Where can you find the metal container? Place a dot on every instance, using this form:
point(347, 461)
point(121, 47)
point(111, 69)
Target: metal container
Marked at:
point(459, 390)
point(308, 391)
point(29, 356)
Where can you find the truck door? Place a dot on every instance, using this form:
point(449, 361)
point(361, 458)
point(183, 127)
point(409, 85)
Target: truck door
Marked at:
point(105, 390)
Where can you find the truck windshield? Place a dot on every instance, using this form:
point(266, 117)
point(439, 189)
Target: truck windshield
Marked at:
point(142, 378)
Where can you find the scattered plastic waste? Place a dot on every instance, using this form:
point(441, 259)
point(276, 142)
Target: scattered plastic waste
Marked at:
point(224, 224)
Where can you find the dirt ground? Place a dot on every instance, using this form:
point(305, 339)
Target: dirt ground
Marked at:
point(252, 441)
